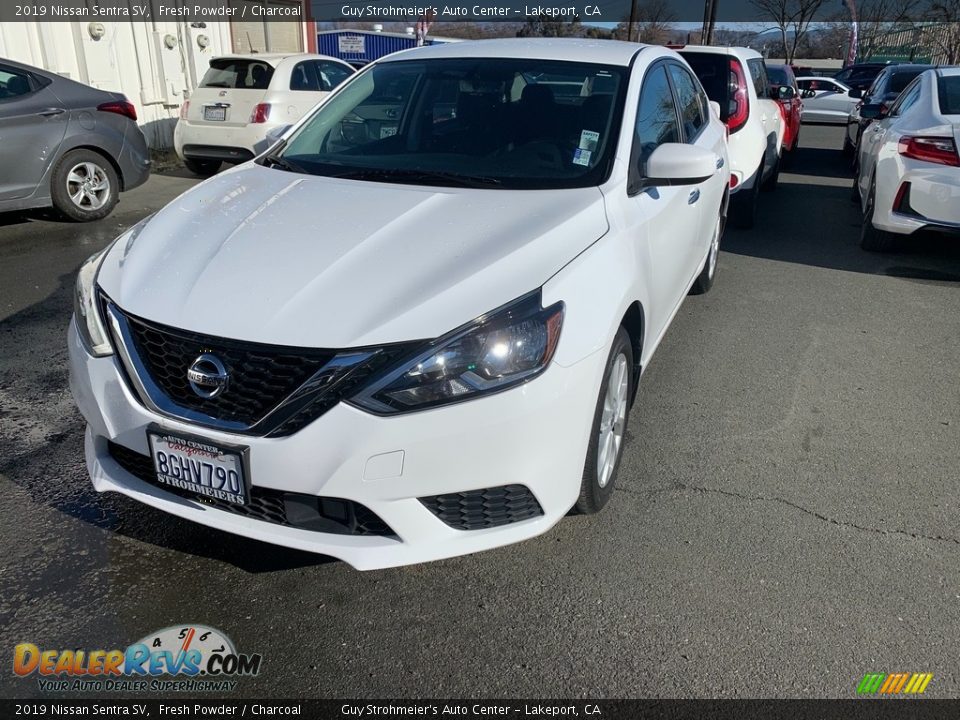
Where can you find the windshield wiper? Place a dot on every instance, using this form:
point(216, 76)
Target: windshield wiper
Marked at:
point(274, 160)
point(419, 177)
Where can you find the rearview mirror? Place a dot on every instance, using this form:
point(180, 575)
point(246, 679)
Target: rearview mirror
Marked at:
point(855, 93)
point(680, 164)
point(872, 111)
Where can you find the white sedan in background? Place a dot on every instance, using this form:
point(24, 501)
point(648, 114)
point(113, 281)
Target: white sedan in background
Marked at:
point(242, 97)
point(415, 328)
point(909, 170)
point(825, 100)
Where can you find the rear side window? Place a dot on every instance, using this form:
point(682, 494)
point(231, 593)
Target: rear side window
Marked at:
point(13, 84)
point(303, 77)
point(238, 73)
point(690, 100)
point(713, 71)
point(656, 121)
point(948, 92)
point(330, 74)
point(758, 73)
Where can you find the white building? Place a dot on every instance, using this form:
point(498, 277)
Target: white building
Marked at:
point(155, 64)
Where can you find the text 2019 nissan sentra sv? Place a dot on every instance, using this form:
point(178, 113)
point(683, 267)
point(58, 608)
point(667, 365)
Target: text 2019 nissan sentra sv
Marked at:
point(414, 328)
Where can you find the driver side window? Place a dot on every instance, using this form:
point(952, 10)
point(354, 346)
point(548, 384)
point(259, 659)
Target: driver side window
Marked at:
point(656, 122)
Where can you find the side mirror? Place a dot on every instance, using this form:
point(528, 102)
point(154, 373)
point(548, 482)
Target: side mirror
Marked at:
point(855, 93)
point(680, 164)
point(786, 92)
point(808, 93)
point(274, 134)
point(872, 111)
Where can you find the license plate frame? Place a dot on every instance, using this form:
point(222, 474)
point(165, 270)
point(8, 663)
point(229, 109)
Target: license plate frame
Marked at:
point(214, 113)
point(239, 455)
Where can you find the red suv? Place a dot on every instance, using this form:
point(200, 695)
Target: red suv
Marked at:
point(784, 86)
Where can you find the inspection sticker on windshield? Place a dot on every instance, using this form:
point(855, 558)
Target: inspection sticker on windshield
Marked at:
point(581, 156)
point(589, 140)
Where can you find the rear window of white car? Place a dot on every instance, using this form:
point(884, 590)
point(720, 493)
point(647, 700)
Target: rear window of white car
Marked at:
point(238, 73)
point(948, 91)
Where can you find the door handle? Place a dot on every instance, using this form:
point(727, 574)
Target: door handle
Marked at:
point(50, 112)
point(694, 196)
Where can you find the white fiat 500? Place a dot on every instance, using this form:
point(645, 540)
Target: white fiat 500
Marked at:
point(414, 328)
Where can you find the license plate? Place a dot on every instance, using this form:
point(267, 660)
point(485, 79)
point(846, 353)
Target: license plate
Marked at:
point(212, 112)
point(197, 465)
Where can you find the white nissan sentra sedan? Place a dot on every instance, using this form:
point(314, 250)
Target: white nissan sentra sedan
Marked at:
point(414, 328)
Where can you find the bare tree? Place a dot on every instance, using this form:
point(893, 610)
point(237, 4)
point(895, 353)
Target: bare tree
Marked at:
point(944, 36)
point(792, 18)
point(653, 23)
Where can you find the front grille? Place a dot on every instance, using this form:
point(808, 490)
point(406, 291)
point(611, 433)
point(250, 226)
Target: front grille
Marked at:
point(307, 512)
point(261, 376)
point(485, 508)
point(272, 390)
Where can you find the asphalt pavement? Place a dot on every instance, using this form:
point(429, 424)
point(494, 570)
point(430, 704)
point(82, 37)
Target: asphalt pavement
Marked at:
point(785, 519)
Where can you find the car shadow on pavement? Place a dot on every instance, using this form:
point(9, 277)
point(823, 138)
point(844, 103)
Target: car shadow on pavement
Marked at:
point(41, 450)
point(18, 217)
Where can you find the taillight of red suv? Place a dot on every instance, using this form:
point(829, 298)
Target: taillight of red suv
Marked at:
point(739, 98)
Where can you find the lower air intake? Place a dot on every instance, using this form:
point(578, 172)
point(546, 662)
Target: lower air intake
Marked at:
point(485, 508)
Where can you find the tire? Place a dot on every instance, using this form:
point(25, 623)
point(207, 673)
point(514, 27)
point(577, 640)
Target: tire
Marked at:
point(872, 238)
point(770, 184)
point(847, 146)
point(598, 480)
point(203, 168)
point(84, 186)
point(704, 280)
point(743, 205)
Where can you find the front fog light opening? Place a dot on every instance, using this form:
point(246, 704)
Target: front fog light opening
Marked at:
point(508, 347)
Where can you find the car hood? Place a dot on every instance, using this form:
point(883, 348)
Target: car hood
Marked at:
point(276, 257)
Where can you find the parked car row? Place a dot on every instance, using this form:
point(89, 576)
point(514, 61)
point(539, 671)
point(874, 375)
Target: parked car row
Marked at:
point(908, 167)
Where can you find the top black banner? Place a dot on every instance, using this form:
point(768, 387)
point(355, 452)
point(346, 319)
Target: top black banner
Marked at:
point(380, 11)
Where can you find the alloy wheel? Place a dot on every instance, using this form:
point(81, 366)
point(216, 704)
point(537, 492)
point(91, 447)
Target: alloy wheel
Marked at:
point(613, 420)
point(88, 186)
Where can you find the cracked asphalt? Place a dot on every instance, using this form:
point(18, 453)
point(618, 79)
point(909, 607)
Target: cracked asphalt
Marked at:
point(785, 519)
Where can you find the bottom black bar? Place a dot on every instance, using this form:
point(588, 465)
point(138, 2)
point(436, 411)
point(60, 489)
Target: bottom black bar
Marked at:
point(868, 709)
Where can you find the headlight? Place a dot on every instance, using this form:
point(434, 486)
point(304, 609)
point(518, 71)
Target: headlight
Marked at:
point(494, 352)
point(87, 314)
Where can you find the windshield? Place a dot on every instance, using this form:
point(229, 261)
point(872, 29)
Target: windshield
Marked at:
point(948, 91)
point(510, 123)
point(238, 73)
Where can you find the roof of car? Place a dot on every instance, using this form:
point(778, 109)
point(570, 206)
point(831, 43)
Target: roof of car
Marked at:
point(728, 50)
point(606, 52)
point(945, 71)
point(272, 58)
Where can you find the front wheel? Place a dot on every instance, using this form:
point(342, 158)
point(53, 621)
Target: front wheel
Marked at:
point(609, 427)
point(704, 280)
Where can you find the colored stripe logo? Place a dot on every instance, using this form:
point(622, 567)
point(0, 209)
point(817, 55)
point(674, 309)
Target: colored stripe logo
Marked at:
point(894, 683)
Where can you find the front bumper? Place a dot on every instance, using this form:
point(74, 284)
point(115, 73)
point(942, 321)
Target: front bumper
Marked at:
point(535, 435)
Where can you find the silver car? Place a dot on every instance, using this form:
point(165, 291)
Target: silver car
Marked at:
point(66, 144)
